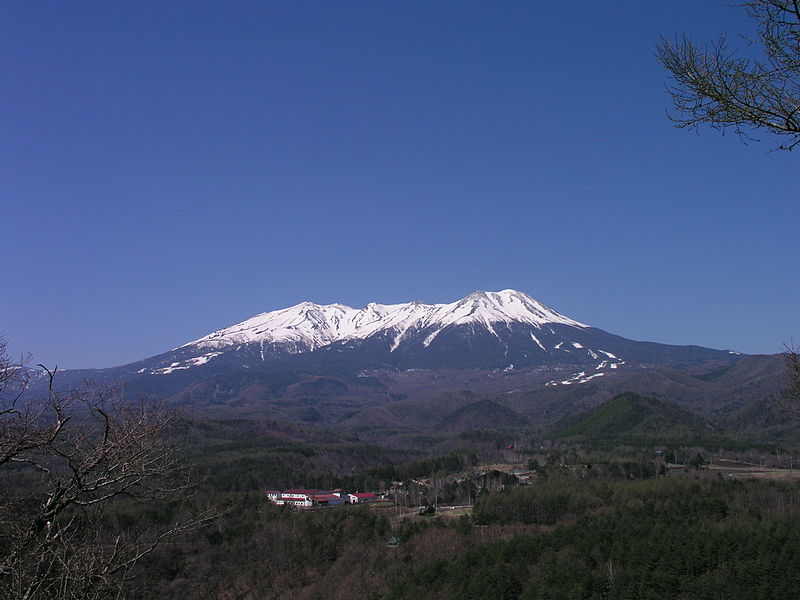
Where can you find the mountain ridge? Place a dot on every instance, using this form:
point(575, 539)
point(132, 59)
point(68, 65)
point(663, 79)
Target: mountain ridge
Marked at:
point(308, 326)
point(635, 416)
point(485, 330)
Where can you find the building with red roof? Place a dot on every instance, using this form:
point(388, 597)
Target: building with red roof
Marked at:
point(305, 498)
point(360, 497)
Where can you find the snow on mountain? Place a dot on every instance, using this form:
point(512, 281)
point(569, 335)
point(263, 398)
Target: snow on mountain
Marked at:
point(308, 326)
point(487, 308)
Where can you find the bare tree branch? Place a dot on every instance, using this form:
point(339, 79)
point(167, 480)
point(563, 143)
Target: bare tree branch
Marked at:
point(791, 355)
point(74, 456)
point(717, 87)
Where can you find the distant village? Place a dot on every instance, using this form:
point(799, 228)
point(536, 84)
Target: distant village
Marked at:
point(462, 488)
point(306, 498)
point(415, 492)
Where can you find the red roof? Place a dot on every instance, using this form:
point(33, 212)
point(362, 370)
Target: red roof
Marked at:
point(364, 495)
point(325, 497)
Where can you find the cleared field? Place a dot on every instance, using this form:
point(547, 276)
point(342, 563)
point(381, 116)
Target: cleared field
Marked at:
point(742, 471)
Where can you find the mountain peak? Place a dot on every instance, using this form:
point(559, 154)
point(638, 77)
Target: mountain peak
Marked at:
point(502, 297)
point(477, 295)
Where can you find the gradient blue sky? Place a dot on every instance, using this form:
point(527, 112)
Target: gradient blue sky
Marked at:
point(170, 168)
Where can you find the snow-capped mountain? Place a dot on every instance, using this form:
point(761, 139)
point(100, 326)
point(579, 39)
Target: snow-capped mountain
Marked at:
point(388, 364)
point(485, 330)
point(308, 326)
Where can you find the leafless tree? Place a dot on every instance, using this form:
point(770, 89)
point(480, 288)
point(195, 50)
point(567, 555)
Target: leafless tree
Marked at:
point(792, 394)
point(64, 463)
point(717, 86)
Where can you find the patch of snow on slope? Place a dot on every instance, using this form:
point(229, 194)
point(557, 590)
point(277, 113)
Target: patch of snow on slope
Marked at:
point(178, 366)
point(427, 341)
point(535, 339)
point(587, 378)
point(574, 378)
point(581, 377)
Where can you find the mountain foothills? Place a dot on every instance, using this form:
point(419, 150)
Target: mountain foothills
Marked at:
point(434, 365)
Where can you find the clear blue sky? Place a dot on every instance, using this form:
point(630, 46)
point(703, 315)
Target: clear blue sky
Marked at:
point(170, 168)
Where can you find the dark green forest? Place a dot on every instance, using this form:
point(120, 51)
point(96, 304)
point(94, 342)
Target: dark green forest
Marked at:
point(588, 524)
point(687, 535)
